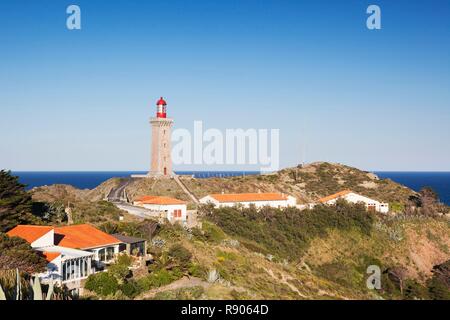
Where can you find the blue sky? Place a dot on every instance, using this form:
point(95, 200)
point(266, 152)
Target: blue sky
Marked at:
point(80, 100)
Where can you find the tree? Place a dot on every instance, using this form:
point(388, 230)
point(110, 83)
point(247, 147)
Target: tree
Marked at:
point(427, 194)
point(429, 200)
point(15, 202)
point(49, 212)
point(398, 276)
point(149, 228)
point(439, 284)
point(17, 253)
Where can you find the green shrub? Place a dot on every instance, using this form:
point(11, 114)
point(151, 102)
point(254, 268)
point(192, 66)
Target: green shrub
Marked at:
point(414, 290)
point(124, 259)
point(340, 273)
point(197, 270)
point(193, 293)
point(397, 207)
point(438, 290)
point(119, 271)
point(212, 233)
point(439, 284)
point(130, 288)
point(287, 232)
point(225, 255)
point(238, 295)
point(102, 283)
point(158, 278)
point(170, 231)
point(180, 254)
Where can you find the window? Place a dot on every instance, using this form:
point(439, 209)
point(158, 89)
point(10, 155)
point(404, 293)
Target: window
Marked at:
point(177, 213)
point(64, 274)
point(109, 253)
point(101, 255)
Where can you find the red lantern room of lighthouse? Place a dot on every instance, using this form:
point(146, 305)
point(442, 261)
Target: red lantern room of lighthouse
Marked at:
point(161, 108)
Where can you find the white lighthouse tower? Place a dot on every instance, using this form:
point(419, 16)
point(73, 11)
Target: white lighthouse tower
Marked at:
point(161, 160)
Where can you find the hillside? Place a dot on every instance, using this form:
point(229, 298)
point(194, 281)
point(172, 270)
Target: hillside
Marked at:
point(276, 255)
point(314, 254)
point(333, 266)
point(307, 183)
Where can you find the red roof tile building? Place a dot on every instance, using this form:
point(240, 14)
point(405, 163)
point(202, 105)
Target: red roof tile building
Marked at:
point(172, 209)
point(271, 199)
point(72, 252)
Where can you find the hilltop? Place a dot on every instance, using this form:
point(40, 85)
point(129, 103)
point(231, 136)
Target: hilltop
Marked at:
point(306, 183)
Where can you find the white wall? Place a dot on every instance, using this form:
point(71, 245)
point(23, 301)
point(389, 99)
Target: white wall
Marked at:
point(54, 271)
point(169, 208)
point(209, 199)
point(46, 240)
point(355, 198)
point(290, 202)
point(96, 252)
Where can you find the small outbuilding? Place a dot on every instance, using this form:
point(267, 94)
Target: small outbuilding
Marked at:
point(352, 197)
point(131, 245)
point(172, 209)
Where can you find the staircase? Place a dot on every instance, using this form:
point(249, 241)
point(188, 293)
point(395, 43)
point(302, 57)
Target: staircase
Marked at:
point(185, 189)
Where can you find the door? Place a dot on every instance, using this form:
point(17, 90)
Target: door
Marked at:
point(165, 171)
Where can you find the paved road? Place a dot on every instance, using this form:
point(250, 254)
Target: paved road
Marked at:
point(118, 194)
point(136, 211)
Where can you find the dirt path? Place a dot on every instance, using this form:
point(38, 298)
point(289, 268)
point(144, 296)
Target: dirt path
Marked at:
point(284, 279)
point(184, 282)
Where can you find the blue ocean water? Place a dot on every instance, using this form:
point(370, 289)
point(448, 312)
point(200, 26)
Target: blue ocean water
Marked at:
point(91, 179)
point(439, 181)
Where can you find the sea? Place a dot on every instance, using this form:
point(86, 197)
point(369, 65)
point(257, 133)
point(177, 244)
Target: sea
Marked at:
point(438, 181)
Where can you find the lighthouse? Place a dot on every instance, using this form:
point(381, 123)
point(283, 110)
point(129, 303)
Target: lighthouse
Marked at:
point(161, 160)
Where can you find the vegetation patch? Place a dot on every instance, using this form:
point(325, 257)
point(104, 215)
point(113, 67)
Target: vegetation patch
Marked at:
point(287, 233)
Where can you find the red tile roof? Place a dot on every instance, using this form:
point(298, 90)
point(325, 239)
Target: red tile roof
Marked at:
point(50, 256)
point(159, 200)
point(83, 236)
point(29, 233)
point(246, 197)
point(335, 196)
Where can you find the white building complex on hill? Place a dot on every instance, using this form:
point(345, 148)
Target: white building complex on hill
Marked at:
point(275, 200)
point(352, 197)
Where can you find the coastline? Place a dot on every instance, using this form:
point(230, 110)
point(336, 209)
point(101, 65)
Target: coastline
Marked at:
point(439, 181)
